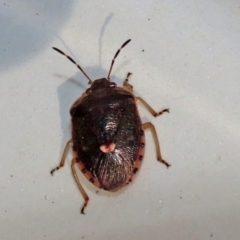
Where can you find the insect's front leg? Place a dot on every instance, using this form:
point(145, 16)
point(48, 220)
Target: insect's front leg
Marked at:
point(126, 85)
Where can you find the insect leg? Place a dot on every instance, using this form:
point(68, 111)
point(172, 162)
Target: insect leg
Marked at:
point(68, 145)
point(155, 137)
point(84, 194)
point(150, 109)
point(127, 77)
point(126, 85)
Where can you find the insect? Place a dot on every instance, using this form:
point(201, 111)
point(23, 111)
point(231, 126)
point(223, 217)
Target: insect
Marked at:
point(107, 134)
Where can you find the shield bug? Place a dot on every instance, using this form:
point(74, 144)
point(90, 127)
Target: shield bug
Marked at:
point(107, 133)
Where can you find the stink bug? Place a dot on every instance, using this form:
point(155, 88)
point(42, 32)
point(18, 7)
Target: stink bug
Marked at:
point(107, 133)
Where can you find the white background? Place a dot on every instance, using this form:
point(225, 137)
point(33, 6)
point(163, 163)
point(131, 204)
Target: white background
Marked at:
point(184, 55)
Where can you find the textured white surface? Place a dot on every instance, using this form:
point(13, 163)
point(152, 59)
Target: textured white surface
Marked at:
point(184, 55)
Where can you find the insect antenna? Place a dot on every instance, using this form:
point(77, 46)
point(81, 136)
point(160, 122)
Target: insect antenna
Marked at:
point(118, 51)
point(78, 66)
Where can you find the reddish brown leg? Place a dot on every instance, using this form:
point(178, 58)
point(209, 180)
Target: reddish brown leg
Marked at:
point(150, 109)
point(155, 137)
point(84, 194)
point(126, 85)
point(127, 77)
point(67, 147)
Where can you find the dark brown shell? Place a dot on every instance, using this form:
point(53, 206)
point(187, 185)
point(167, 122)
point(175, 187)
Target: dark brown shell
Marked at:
point(102, 117)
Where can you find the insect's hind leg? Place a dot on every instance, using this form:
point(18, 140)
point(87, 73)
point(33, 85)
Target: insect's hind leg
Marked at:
point(84, 194)
point(126, 85)
point(69, 144)
point(155, 137)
